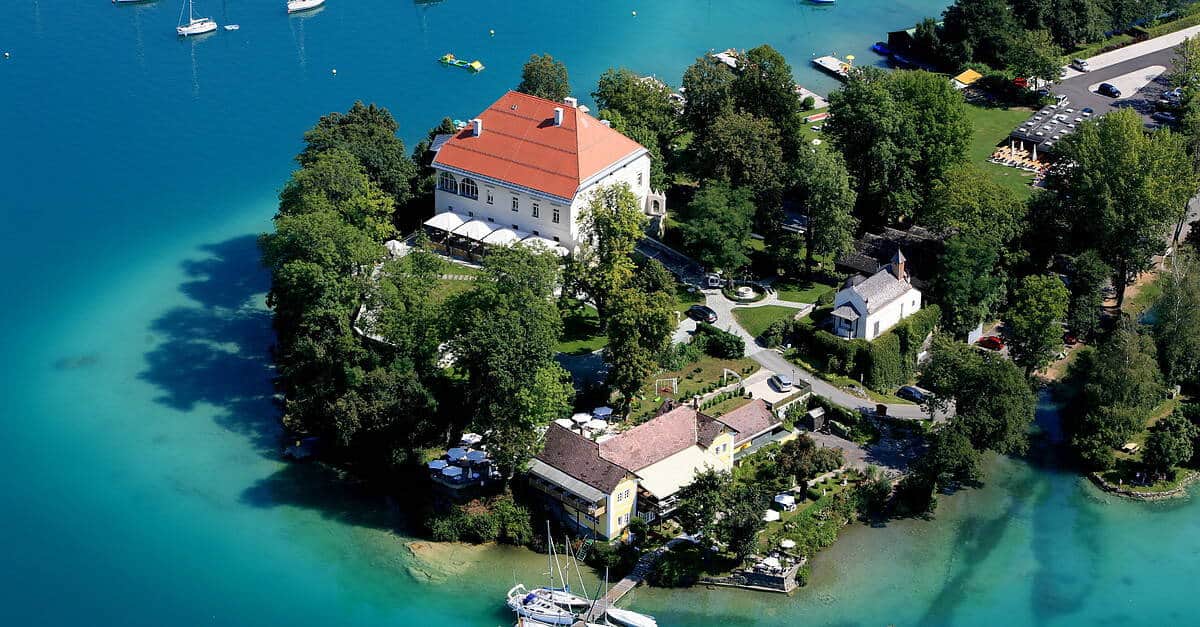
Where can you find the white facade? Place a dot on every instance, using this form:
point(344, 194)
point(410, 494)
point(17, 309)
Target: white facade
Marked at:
point(874, 324)
point(533, 212)
point(867, 308)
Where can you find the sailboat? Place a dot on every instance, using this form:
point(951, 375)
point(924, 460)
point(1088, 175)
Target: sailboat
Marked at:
point(296, 6)
point(195, 25)
point(531, 606)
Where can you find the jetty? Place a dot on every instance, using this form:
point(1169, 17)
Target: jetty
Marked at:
point(635, 577)
point(833, 65)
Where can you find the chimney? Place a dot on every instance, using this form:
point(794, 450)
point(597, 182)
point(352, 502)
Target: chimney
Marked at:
point(558, 115)
point(571, 101)
point(606, 123)
point(477, 127)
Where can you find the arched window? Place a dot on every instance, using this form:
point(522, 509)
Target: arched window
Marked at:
point(468, 188)
point(447, 183)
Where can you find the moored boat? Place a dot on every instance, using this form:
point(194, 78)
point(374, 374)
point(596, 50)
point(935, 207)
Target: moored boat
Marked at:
point(296, 6)
point(562, 598)
point(530, 605)
point(629, 618)
point(195, 25)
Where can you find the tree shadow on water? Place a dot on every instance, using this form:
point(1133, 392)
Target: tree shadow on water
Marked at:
point(215, 351)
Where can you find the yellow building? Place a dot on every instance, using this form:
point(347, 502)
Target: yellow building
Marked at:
point(600, 486)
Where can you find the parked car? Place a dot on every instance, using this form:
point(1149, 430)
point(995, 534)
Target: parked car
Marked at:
point(1081, 65)
point(712, 279)
point(914, 394)
point(702, 313)
point(1108, 89)
point(1069, 339)
point(1164, 116)
point(781, 382)
point(991, 342)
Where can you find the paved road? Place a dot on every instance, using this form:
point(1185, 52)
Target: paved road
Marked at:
point(773, 361)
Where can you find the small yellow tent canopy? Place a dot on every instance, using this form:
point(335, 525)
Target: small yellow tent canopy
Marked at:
point(968, 77)
point(477, 66)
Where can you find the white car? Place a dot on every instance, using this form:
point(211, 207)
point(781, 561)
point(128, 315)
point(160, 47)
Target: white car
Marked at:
point(1081, 65)
point(781, 382)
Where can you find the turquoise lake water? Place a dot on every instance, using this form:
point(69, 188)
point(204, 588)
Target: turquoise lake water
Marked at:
point(138, 440)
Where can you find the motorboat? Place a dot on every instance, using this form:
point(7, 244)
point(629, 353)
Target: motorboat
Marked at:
point(232, 27)
point(296, 6)
point(195, 25)
point(629, 618)
point(532, 606)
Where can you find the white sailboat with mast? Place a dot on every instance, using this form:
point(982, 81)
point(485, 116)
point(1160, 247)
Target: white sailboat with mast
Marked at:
point(297, 6)
point(195, 25)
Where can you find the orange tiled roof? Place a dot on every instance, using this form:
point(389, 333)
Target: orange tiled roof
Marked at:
point(521, 145)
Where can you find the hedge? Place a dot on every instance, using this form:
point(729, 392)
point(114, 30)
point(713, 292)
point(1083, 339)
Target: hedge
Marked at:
point(718, 343)
point(885, 370)
point(912, 332)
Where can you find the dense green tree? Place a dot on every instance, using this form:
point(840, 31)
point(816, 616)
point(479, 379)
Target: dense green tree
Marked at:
point(336, 181)
point(368, 133)
point(1073, 22)
point(1170, 443)
point(745, 150)
point(642, 101)
point(1177, 321)
point(970, 202)
point(1033, 321)
point(700, 501)
point(993, 404)
point(614, 223)
point(545, 77)
point(1034, 54)
point(718, 225)
point(825, 190)
point(1123, 190)
point(970, 283)
point(708, 84)
point(951, 461)
point(1185, 65)
point(901, 133)
point(766, 88)
point(1120, 384)
point(867, 124)
point(638, 330)
point(742, 520)
point(979, 30)
point(504, 333)
point(406, 314)
point(801, 459)
point(1089, 276)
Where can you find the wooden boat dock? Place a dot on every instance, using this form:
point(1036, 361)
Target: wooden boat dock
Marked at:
point(833, 65)
point(635, 577)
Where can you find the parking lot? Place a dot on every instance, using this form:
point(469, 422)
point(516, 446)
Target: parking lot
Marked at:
point(1142, 82)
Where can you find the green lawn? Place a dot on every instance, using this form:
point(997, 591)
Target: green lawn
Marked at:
point(726, 406)
point(991, 126)
point(755, 320)
point(685, 298)
point(803, 291)
point(695, 378)
point(581, 333)
point(1147, 296)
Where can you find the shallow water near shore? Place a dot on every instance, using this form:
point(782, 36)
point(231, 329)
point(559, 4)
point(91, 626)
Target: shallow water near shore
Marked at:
point(138, 435)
